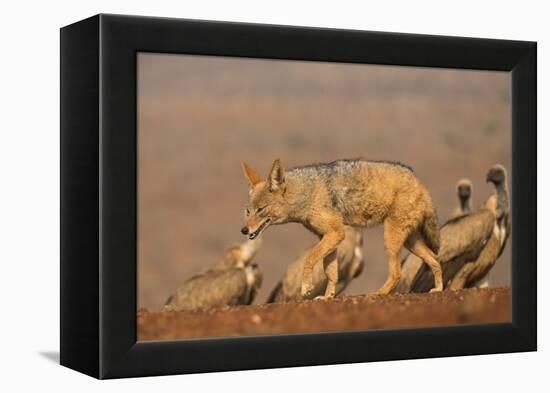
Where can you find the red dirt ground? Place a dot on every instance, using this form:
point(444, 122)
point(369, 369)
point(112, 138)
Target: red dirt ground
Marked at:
point(342, 313)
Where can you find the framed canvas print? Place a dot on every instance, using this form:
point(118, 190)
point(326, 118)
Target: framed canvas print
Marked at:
point(239, 196)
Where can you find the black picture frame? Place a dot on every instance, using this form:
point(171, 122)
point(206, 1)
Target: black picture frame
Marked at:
point(98, 195)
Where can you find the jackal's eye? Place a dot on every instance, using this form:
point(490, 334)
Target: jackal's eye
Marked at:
point(261, 209)
point(247, 211)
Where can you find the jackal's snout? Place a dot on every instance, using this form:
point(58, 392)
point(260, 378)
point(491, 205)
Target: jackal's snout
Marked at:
point(253, 229)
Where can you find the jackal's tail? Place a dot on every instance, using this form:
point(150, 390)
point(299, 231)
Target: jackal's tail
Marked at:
point(430, 230)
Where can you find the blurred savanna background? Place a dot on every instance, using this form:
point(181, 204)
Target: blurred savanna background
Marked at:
point(199, 117)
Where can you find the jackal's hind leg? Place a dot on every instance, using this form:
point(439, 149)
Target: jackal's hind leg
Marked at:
point(394, 238)
point(416, 245)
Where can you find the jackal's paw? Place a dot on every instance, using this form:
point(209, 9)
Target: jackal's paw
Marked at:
point(436, 289)
point(306, 289)
point(323, 297)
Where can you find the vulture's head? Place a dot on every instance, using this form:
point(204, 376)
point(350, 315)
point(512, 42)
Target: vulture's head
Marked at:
point(496, 175)
point(239, 255)
point(464, 189)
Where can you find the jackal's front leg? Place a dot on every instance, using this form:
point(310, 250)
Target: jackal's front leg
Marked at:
point(326, 246)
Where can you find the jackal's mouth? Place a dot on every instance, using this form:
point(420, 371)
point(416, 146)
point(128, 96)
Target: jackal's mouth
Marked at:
point(257, 232)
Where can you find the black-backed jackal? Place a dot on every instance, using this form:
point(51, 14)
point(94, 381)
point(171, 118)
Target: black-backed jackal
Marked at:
point(326, 197)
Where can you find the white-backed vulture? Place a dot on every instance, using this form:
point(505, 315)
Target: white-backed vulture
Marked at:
point(411, 264)
point(231, 281)
point(350, 265)
point(476, 273)
point(472, 242)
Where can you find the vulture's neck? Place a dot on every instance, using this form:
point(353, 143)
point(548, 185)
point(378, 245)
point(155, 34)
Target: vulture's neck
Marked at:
point(466, 205)
point(502, 199)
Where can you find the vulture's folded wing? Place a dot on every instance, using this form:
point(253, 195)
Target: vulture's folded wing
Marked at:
point(462, 240)
point(213, 288)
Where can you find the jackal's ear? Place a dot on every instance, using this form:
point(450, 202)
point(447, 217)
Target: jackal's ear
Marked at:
point(250, 175)
point(276, 179)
